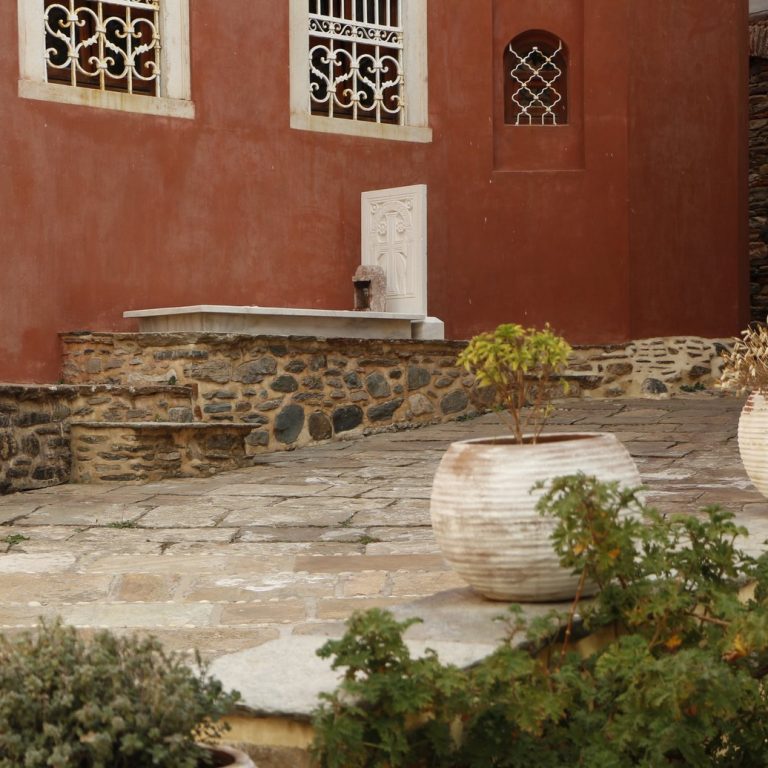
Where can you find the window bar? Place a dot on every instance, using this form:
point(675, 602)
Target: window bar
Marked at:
point(72, 42)
point(332, 76)
point(129, 63)
point(355, 80)
point(401, 85)
point(101, 36)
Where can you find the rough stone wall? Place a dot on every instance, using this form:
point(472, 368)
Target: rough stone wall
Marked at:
point(35, 424)
point(758, 186)
point(109, 452)
point(34, 441)
point(293, 391)
point(274, 393)
point(663, 366)
point(250, 378)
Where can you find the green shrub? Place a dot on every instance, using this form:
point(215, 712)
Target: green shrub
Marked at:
point(108, 703)
point(522, 367)
point(664, 667)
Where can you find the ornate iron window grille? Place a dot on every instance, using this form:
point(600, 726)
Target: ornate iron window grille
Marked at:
point(108, 45)
point(356, 60)
point(536, 88)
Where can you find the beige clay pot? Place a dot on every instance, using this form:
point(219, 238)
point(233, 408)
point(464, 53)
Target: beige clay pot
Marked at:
point(753, 440)
point(227, 757)
point(484, 514)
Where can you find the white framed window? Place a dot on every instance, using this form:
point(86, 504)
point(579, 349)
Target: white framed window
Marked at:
point(128, 55)
point(359, 67)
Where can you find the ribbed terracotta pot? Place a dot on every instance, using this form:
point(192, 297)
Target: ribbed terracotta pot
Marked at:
point(753, 440)
point(484, 513)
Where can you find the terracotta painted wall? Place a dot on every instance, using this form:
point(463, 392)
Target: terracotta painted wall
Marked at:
point(601, 228)
point(688, 161)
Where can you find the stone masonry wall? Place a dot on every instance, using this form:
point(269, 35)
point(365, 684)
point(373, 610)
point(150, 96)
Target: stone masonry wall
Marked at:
point(272, 393)
point(35, 424)
point(758, 186)
point(110, 452)
point(349, 384)
point(293, 391)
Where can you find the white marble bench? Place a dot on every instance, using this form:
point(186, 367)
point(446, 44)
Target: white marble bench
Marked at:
point(282, 321)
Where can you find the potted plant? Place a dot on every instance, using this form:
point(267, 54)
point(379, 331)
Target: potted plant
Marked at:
point(745, 369)
point(108, 702)
point(483, 507)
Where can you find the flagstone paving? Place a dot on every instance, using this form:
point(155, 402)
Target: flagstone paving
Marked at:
point(291, 546)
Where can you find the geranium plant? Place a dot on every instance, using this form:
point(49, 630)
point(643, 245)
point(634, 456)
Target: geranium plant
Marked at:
point(524, 368)
point(665, 667)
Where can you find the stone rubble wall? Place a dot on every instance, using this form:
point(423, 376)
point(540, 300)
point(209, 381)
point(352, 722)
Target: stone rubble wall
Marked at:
point(273, 393)
point(648, 367)
point(128, 452)
point(253, 378)
point(35, 424)
point(758, 186)
point(293, 391)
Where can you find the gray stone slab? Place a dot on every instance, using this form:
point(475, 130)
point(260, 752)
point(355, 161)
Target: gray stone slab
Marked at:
point(276, 490)
point(286, 677)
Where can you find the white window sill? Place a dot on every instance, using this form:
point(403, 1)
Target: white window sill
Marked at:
point(123, 102)
point(415, 133)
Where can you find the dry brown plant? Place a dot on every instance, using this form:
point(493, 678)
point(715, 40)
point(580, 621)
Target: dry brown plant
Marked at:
point(746, 364)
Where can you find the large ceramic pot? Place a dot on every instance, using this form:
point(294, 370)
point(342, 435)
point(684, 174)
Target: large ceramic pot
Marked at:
point(484, 511)
point(753, 440)
point(227, 757)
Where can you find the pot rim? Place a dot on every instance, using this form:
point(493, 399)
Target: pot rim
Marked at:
point(549, 438)
point(240, 758)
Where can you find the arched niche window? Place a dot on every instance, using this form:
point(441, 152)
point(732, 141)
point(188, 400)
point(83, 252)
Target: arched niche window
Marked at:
point(536, 80)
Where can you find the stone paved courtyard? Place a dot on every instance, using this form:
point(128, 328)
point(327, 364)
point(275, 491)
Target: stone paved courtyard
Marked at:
point(293, 545)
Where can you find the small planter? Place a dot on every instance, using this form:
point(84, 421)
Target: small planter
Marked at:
point(226, 757)
point(753, 439)
point(484, 513)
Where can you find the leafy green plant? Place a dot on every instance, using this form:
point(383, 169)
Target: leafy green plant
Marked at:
point(665, 667)
point(745, 365)
point(106, 703)
point(523, 366)
point(123, 524)
point(12, 539)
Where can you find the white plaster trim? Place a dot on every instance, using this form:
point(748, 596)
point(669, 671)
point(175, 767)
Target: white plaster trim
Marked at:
point(123, 102)
point(280, 311)
point(304, 121)
point(276, 321)
point(415, 71)
point(175, 81)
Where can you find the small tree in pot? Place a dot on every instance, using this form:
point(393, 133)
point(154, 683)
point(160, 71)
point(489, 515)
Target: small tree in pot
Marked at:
point(483, 509)
point(111, 702)
point(524, 367)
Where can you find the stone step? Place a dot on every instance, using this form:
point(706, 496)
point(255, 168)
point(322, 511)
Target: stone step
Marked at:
point(35, 423)
point(135, 451)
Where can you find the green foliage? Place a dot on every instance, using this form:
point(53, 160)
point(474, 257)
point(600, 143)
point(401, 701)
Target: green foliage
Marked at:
point(664, 667)
point(12, 539)
point(123, 524)
point(108, 703)
point(523, 366)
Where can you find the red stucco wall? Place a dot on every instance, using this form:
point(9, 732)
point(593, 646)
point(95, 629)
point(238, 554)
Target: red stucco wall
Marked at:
point(688, 160)
point(628, 223)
